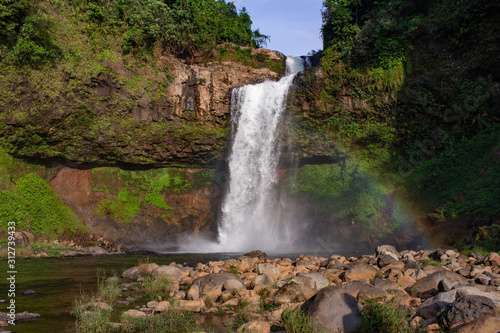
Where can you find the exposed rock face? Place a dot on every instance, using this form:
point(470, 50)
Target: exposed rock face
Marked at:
point(126, 115)
point(191, 211)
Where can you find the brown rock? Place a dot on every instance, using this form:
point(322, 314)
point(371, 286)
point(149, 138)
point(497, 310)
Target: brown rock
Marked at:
point(360, 271)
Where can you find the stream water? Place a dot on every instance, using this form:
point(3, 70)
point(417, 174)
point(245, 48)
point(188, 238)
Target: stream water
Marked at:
point(58, 281)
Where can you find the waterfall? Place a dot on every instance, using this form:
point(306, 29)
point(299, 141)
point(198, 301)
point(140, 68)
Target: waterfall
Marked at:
point(250, 213)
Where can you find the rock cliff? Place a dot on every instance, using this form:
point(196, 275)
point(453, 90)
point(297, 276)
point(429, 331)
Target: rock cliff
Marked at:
point(166, 113)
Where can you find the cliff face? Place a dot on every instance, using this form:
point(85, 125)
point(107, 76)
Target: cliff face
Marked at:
point(124, 114)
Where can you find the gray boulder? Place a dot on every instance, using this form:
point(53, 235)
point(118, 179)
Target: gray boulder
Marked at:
point(433, 306)
point(468, 307)
point(211, 285)
point(298, 289)
point(429, 285)
point(333, 310)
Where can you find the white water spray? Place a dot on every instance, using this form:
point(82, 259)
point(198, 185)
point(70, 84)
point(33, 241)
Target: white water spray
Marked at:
point(250, 212)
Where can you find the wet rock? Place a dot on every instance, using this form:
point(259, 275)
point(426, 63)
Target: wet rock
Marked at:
point(333, 310)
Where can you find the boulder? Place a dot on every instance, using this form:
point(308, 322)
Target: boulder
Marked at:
point(162, 306)
point(493, 295)
point(298, 289)
point(485, 324)
point(359, 289)
point(320, 279)
point(428, 286)
point(192, 306)
point(233, 286)
point(468, 307)
point(170, 271)
point(212, 285)
point(262, 281)
point(333, 310)
point(97, 250)
point(131, 272)
point(492, 259)
point(387, 250)
point(256, 254)
point(267, 269)
point(431, 307)
point(133, 314)
point(255, 326)
point(146, 269)
point(360, 271)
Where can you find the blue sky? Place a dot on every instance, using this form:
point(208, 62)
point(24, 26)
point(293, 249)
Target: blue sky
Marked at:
point(294, 25)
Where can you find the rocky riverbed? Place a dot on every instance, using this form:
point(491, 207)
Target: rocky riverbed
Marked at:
point(431, 290)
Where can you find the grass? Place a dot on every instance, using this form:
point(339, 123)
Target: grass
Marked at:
point(383, 317)
point(157, 287)
point(173, 321)
point(430, 262)
point(27, 199)
point(296, 321)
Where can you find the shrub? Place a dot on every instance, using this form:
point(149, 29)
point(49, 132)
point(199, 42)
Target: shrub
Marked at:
point(383, 317)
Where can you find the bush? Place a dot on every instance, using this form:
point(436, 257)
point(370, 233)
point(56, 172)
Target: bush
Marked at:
point(383, 317)
point(35, 45)
point(296, 321)
point(33, 205)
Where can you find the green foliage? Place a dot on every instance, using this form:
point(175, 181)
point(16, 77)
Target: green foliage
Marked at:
point(172, 321)
point(296, 321)
point(123, 208)
point(12, 15)
point(35, 45)
point(132, 188)
point(341, 191)
point(460, 179)
point(178, 26)
point(430, 262)
point(33, 205)
point(156, 200)
point(383, 317)
point(158, 286)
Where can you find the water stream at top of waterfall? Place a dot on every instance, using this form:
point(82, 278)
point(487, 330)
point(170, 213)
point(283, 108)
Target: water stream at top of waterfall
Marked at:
point(251, 209)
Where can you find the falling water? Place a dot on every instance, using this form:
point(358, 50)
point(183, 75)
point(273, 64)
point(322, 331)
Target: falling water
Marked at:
point(250, 214)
